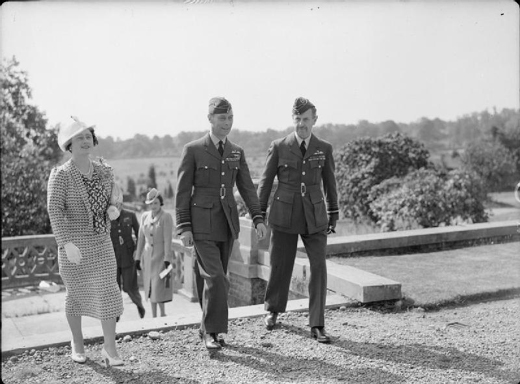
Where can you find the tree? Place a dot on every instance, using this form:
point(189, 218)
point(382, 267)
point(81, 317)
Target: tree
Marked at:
point(493, 162)
point(364, 163)
point(151, 182)
point(130, 186)
point(29, 151)
point(427, 198)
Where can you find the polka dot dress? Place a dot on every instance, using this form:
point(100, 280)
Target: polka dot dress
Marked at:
point(77, 207)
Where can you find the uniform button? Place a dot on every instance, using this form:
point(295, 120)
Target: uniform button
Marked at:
point(119, 230)
point(223, 173)
point(221, 197)
point(222, 161)
point(277, 198)
point(303, 161)
point(285, 165)
point(303, 173)
point(222, 185)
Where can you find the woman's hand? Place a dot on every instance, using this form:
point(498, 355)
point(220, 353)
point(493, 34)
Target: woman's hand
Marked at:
point(73, 253)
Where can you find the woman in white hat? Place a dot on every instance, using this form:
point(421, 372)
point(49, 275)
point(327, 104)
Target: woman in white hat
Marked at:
point(78, 202)
point(154, 252)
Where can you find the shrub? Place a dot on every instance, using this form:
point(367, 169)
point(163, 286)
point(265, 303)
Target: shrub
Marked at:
point(428, 198)
point(364, 163)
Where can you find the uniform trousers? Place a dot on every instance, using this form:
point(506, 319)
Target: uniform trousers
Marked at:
point(127, 278)
point(282, 251)
point(212, 260)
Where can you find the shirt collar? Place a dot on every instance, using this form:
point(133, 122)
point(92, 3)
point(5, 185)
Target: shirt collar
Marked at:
point(215, 139)
point(299, 140)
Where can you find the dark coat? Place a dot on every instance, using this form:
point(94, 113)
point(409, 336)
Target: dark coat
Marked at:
point(122, 239)
point(205, 203)
point(304, 184)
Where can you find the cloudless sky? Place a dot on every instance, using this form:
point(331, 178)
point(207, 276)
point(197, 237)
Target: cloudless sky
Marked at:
point(151, 67)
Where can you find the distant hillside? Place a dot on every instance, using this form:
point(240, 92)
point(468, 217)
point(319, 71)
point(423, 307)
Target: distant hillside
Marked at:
point(437, 135)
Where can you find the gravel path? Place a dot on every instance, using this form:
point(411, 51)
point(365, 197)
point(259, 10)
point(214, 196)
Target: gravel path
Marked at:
point(479, 343)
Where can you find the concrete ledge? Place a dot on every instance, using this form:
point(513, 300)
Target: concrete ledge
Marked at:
point(354, 283)
point(138, 327)
point(402, 239)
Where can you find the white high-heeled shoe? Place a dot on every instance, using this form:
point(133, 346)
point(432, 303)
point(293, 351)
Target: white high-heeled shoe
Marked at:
point(111, 361)
point(77, 357)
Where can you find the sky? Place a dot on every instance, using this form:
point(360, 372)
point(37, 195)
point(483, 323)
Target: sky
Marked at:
point(151, 67)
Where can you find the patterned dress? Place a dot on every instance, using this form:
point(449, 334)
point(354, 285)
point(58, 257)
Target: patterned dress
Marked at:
point(77, 209)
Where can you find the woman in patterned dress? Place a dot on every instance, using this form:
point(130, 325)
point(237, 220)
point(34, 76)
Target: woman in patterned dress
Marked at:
point(78, 203)
point(154, 252)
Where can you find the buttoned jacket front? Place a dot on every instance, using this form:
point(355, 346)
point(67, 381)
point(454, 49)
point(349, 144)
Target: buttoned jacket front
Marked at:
point(122, 239)
point(205, 203)
point(306, 195)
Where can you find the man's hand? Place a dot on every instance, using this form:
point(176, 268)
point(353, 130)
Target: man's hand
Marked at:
point(332, 226)
point(187, 238)
point(261, 231)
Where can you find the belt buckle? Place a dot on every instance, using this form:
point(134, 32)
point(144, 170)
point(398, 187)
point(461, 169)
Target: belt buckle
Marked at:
point(222, 192)
point(303, 189)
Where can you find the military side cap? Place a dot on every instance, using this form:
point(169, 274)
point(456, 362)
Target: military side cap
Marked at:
point(219, 105)
point(301, 105)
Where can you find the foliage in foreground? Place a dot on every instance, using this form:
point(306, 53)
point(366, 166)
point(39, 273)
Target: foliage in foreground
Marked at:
point(428, 198)
point(29, 151)
point(390, 182)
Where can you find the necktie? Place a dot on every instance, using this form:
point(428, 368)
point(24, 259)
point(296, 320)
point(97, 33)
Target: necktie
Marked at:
point(302, 148)
point(220, 148)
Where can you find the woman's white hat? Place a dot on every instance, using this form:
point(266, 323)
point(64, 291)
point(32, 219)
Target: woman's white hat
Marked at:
point(151, 196)
point(69, 129)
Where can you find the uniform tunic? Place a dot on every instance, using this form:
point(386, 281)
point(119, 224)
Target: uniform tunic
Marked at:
point(305, 183)
point(77, 209)
point(206, 206)
point(154, 247)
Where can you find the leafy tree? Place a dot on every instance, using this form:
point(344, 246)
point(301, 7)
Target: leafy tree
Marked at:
point(151, 182)
point(428, 198)
point(493, 162)
point(29, 151)
point(130, 186)
point(169, 192)
point(364, 163)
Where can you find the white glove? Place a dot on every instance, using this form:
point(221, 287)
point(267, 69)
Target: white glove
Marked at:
point(73, 253)
point(113, 212)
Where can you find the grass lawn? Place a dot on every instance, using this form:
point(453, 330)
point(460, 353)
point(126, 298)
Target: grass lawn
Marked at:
point(436, 278)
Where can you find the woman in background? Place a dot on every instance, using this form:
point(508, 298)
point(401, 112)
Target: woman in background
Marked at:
point(78, 203)
point(154, 252)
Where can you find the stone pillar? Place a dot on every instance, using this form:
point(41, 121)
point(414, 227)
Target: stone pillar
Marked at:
point(246, 287)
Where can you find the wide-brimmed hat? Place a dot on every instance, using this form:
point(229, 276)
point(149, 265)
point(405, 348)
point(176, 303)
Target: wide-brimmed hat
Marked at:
point(151, 196)
point(69, 129)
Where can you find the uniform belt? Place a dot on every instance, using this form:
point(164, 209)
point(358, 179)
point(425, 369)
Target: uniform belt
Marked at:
point(213, 191)
point(302, 188)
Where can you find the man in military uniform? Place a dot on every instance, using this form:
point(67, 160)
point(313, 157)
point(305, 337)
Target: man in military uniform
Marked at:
point(303, 165)
point(124, 248)
point(207, 214)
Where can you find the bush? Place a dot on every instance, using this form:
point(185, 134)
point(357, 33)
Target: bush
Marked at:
point(493, 162)
point(428, 198)
point(366, 162)
point(29, 151)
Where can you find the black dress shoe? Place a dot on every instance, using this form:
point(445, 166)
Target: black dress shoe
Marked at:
point(320, 335)
point(211, 341)
point(141, 311)
point(270, 320)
